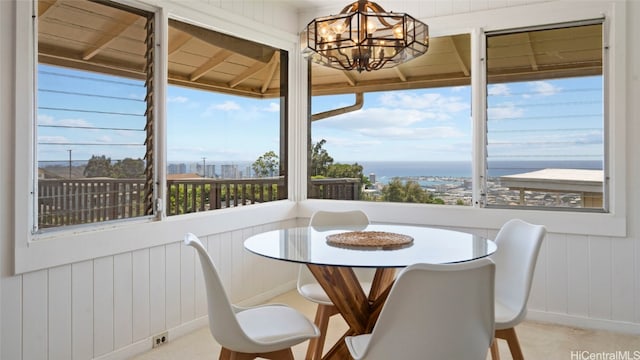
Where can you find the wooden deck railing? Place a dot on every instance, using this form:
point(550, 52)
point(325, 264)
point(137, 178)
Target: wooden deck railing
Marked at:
point(336, 189)
point(187, 196)
point(81, 201)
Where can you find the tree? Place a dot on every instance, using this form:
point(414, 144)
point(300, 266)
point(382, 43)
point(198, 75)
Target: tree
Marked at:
point(128, 168)
point(410, 192)
point(98, 166)
point(266, 165)
point(320, 159)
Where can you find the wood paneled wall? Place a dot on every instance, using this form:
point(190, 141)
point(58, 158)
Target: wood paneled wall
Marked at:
point(92, 308)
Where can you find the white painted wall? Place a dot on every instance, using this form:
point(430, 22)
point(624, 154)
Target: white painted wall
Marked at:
point(109, 306)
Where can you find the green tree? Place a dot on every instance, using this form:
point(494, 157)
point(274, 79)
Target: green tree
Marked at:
point(266, 165)
point(98, 166)
point(128, 168)
point(410, 192)
point(320, 159)
point(353, 171)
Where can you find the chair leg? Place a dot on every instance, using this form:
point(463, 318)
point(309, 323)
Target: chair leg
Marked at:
point(512, 341)
point(495, 353)
point(284, 354)
point(316, 345)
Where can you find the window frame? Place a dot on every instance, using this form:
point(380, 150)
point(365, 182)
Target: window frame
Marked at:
point(482, 200)
point(34, 251)
point(613, 223)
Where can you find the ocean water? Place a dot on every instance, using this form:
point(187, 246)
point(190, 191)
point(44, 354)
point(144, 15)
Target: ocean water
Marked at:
point(386, 170)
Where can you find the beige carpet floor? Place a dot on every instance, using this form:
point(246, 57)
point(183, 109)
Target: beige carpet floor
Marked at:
point(539, 341)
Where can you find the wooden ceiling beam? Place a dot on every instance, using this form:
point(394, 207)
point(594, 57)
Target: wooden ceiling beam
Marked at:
point(350, 78)
point(122, 24)
point(214, 61)
point(178, 42)
point(273, 66)
point(400, 74)
point(250, 71)
point(456, 54)
point(44, 8)
point(204, 84)
point(250, 49)
point(532, 54)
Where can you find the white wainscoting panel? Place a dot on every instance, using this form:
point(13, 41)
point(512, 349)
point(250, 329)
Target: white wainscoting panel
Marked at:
point(59, 305)
point(141, 304)
point(103, 300)
point(577, 275)
point(123, 300)
point(82, 310)
point(34, 315)
point(157, 286)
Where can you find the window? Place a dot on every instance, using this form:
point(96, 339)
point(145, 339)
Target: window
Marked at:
point(405, 138)
point(545, 118)
point(95, 114)
point(226, 121)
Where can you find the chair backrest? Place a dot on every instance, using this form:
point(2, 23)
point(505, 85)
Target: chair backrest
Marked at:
point(337, 219)
point(325, 220)
point(437, 311)
point(515, 258)
point(223, 324)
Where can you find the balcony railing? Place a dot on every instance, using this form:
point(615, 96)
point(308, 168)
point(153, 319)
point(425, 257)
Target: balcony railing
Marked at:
point(80, 201)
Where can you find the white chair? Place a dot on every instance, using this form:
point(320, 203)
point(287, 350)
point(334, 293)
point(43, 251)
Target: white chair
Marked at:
point(434, 311)
point(312, 291)
point(267, 331)
point(518, 247)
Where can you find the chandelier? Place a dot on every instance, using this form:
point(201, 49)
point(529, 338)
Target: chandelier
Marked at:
point(364, 37)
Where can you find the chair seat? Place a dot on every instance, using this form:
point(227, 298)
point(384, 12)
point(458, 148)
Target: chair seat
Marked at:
point(505, 317)
point(275, 324)
point(357, 344)
point(315, 293)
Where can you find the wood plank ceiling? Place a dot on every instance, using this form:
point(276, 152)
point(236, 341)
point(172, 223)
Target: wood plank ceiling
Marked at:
point(93, 36)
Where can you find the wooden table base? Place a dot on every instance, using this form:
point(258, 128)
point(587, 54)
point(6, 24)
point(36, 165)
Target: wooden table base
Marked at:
point(358, 310)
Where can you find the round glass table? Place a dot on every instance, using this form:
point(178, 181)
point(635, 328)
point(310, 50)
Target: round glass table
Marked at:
point(332, 265)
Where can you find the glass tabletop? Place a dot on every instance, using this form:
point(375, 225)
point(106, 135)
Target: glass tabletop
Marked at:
point(308, 245)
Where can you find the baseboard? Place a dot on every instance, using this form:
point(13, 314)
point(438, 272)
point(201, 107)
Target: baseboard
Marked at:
point(268, 295)
point(144, 345)
point(584, 322)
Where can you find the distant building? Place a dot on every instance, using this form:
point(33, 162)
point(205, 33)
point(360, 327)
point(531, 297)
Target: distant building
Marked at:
point(229, 171)
point(177, 168)
point(372, 178)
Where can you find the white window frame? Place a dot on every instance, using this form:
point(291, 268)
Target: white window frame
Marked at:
point(78, 243)
point(613, 223)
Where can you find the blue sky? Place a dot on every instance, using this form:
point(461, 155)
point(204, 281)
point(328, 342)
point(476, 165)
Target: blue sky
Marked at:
point(526, 119)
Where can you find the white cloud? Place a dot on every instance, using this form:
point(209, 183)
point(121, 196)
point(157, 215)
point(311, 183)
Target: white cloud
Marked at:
point(499, 90)
point(53, 139)
point(504, 111)
point(105, 139)
point(543, 88)
point(273, 107)
point(50, 120)
point(444, 132)
point(437, 104)
point(177, 99)
point(74, 122)
point(227, 106)
point(375, 118)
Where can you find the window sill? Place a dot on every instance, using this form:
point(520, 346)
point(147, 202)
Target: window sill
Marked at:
point(64, 247)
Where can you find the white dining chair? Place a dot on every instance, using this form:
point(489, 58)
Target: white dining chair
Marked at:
point(518, 247)
point(267, 331)
point(312, 291)
point(434, 311)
